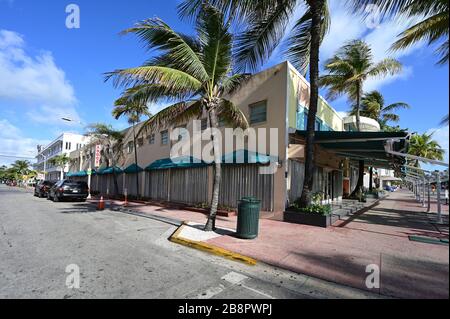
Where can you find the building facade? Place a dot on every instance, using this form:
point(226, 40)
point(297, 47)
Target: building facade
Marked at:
point(66, 143)
point(276, 104)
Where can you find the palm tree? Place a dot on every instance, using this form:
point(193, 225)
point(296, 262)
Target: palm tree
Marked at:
point(60, 161)
point(347, 71)
point(423, 145)
point(350, 68)
point(195, 73)
point(266, 23)
point(373, 106)
point(134, 112)
point(433, 26)
point(112, 142)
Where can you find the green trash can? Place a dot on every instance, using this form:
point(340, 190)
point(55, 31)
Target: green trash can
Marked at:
point(248, 218)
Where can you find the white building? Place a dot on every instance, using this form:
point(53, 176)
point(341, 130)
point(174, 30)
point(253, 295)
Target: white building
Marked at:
point(64, 144)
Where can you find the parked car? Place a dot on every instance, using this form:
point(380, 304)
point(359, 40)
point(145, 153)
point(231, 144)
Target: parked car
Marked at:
point(41, 189)
point(67, 189)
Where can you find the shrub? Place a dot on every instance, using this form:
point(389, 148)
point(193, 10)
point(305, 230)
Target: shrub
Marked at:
point(323, 210)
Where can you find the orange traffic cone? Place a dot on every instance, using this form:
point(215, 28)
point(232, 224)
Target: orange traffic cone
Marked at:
point(101, 204)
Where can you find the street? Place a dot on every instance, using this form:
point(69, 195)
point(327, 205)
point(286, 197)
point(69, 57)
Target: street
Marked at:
point(124, 256)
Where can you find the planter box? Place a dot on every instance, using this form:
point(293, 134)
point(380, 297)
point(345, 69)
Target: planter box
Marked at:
point(309, 219)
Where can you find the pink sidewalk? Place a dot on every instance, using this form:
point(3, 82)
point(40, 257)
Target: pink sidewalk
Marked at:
point(341, 253)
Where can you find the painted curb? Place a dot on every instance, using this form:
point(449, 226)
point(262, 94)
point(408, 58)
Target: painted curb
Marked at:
point(215, 250)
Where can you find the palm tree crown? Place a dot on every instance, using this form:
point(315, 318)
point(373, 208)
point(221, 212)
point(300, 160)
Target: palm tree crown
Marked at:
point(350, 68)
point(423, 145)
point(373, 106)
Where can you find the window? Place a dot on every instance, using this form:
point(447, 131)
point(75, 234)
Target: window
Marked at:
point(183, 133)
point(130, 147)
point(222, 122)
point(318, 125)
point(151, 139)
point(165, 137)
point(258, 112)
point(204, 124)
point(68, 145)
point(140, 142)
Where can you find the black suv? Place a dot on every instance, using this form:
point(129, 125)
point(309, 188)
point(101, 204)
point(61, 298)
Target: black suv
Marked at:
point(67, 189)
point(41, 189)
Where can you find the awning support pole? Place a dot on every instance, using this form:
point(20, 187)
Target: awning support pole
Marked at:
point(423, 192)
point(438, 190)
point(429, 196)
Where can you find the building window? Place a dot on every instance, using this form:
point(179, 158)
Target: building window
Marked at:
point(140, 142)
point(204, 124)
point(183, 133)
point(68, 146)
point(318, 125)
point(258, 112)
point(165, 138)
point(130, 147)
point(151, 139)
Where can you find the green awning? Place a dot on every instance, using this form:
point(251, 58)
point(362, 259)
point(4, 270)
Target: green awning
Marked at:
point(181, 162)
point(247, 157)
point(77, 174)
point(367, 146)
point(133, 169)
point(111, 170)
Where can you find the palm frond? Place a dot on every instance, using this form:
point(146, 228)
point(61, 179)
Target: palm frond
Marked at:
point(385, 67)
point(182, 49)
point(216, 42)
point(396, 106)
point(265, 30)
point(430, 30)
point(171, 79)
point(299, 43)
point(232, 115)
point(173, 115)
point(233, 83)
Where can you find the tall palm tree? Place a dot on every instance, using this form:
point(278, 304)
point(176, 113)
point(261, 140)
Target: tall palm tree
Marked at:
point(195, 73)
point(112, 142)
point(134, 112)
point(373, 106)
point(423, 145)
point(433, 26)
point(21, 167)
point(347, 71)
point(60, 161)
point(265, 23)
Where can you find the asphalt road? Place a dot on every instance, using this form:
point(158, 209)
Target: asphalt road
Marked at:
point(124, 256)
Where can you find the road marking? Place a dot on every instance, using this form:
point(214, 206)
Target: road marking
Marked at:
point(208, 294)
point(235, 278)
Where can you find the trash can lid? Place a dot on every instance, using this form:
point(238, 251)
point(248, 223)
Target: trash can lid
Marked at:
point(250, 200)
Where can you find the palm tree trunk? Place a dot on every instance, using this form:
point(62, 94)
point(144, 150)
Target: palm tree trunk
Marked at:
point(316, 25)
point(211, 223)
point(371, 179)
point(358, 107)
point(360, 183)
point(136, 160)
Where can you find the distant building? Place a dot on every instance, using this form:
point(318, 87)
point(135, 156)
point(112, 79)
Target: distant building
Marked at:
point(64, 144)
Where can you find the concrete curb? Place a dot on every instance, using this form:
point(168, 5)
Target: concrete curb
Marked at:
point(215, 250)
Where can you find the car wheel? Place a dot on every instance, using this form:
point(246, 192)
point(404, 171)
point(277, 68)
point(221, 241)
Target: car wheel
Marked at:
point(49, 197)
point(56, 198)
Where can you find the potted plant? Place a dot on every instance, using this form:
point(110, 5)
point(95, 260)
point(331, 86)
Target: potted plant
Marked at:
point(314, 215)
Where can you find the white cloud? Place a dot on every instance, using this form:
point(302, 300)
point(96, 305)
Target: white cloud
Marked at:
point(343, 114)
point(14, 143)
point(35, 81)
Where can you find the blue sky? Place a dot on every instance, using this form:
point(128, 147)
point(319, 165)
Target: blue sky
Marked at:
point(48, 71)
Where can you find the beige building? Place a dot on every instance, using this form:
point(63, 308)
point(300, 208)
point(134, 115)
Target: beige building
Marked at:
point(276, 98)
